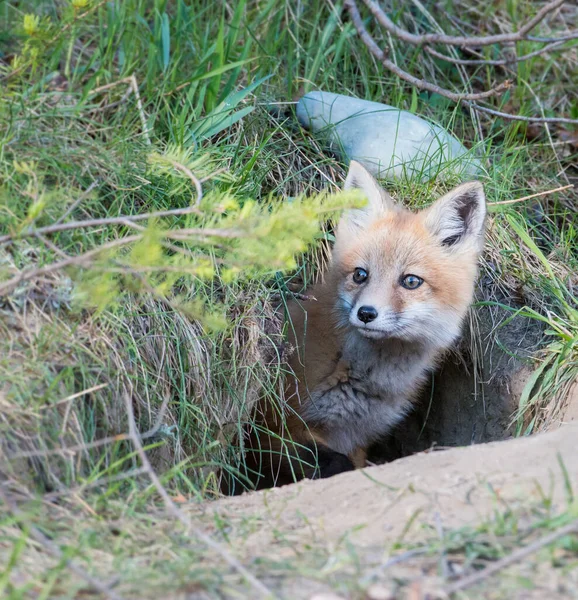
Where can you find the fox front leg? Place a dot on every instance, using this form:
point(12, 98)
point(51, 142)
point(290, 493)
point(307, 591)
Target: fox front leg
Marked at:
point(359, 458)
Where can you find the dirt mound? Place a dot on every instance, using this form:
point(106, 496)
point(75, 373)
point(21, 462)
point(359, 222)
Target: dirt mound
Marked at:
point(374, 508)
point(460, 484)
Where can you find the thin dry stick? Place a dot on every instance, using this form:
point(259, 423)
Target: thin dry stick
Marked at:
point(196, 182)
point(140, 108)
point(89, 390)
point(548, 40)
point(426, 39)
point(33, 272)
point(537, 195)
point(467, 41)
point(511, 117)
point(133, 86)
point(53, 549)
point(500, 62)
point(52, 246)
point(513, 558)
point(421, 84)
point(180, 515)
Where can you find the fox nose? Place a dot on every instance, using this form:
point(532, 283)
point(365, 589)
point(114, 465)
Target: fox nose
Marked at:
point(366, 314)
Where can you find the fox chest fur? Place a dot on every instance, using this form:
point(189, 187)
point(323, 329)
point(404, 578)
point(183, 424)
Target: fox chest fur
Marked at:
point(368, 392)
point(352, 390)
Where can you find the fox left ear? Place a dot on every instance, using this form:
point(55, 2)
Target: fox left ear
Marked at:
point(378, 200)
point(459, 215)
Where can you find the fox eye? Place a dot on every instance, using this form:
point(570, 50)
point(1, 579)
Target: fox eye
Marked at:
point(360, 275)
point(411, 282)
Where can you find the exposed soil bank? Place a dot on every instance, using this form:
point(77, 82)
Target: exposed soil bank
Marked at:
point(372, 508)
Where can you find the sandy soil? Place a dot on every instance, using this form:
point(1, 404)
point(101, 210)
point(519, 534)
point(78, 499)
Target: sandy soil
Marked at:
point(413, 496)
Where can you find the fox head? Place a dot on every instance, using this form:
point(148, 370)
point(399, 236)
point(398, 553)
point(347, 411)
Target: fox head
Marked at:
point(407, 275)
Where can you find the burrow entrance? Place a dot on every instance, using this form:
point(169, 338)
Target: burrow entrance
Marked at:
point(474, 394)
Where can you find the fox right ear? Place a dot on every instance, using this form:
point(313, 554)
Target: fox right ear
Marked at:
point(459, 216)
point(378, 200)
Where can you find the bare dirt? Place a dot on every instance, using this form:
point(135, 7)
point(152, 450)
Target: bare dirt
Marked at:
point(461, 484)
point(372, 509)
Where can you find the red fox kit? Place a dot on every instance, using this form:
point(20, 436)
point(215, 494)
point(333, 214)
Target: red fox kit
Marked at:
point(394, 298)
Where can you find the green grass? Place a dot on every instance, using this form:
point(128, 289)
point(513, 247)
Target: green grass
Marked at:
point(191, 322)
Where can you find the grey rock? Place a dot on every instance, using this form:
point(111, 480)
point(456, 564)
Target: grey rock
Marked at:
point(388, 141)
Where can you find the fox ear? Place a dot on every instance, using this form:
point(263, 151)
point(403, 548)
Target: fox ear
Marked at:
point(378, 200)
point(458, 216)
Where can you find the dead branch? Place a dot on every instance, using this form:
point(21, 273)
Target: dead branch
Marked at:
point(536, 195)
point(498, 62)
point(511, 117)
point(421, 84)
point(426, 40)
point(196, 182)
point(460, 40)
point(132, 88)
point(78, 201)
point(547, 40)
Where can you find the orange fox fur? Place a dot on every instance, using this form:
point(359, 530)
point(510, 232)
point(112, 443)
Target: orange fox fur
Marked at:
point(394, 298)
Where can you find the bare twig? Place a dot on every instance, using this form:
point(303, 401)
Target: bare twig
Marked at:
point(517, 556)
point(133, 85)
point(465, 41)
point(89, 390)
point(499, 62)
point(421, 84)
point(140, 108)
point(297, 295)
point(33, 272)
point(50, 245)
point(537, 195)
point(512, 117)
point(180, 515)
point(53, 549)
point(196, 182)
point(548, 40)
